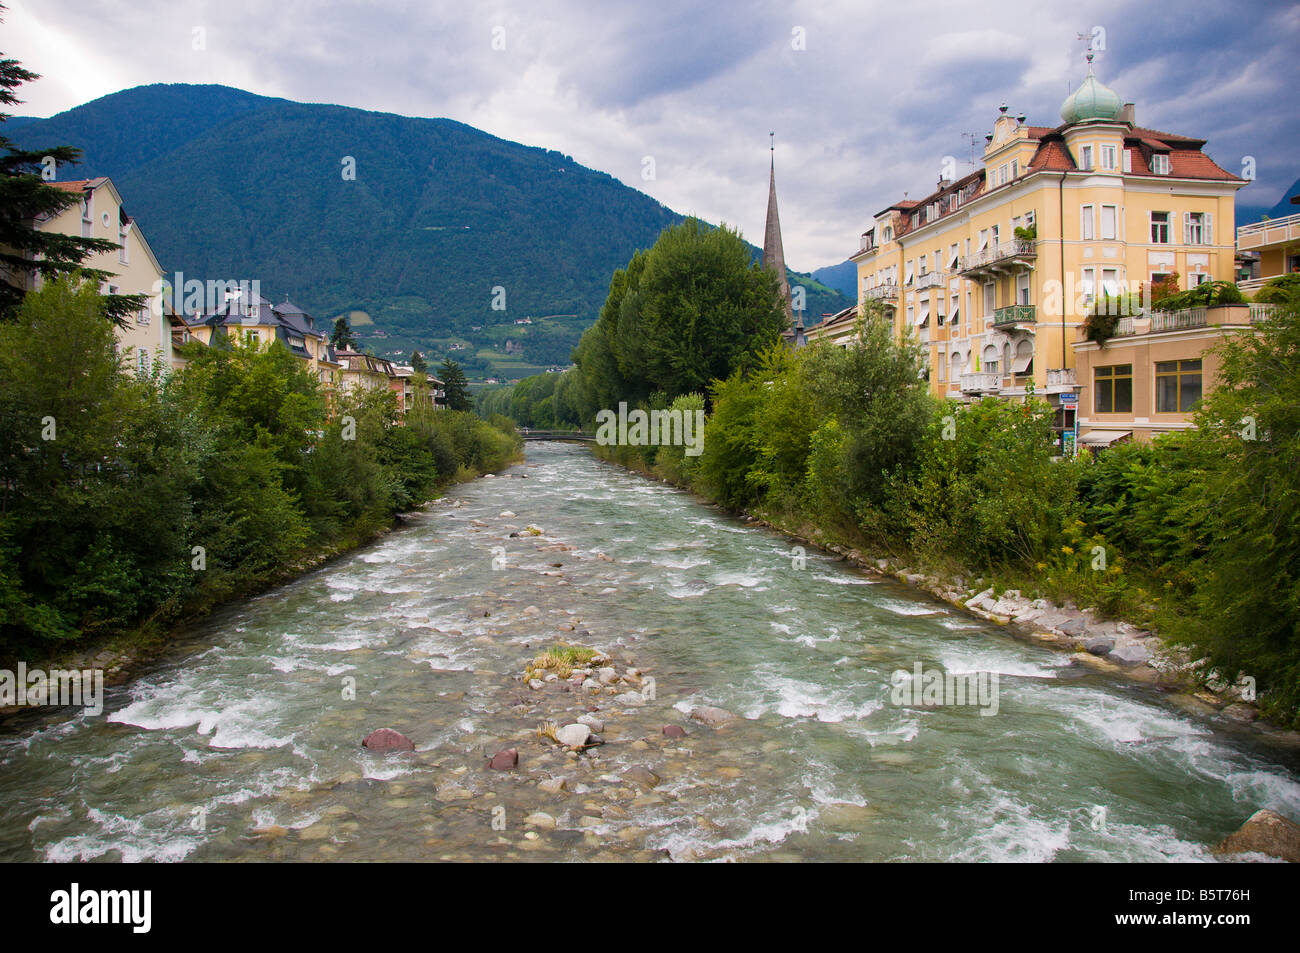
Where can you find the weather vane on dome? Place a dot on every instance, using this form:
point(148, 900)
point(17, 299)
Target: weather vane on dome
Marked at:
point(773, 138)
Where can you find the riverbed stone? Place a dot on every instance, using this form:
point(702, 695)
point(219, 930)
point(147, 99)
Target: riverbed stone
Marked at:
point(505, 760)
point(540, 819)
point(641, 776)
point(1132, 654)
point(1075, 626)
point(553, 785)
point(575, 735)
point(674, 731)
point(592, 722)
point(1265, 832)
point(1099, 646)
point(713, 717)
point(387, 739)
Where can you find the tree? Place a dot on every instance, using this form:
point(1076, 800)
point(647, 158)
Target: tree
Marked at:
point(343, 338)
point(25, 197)
point(418, 364)
point(454, 385)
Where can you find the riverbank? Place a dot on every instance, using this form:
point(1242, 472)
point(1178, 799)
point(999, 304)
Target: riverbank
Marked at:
point(120, 656)
point(1102, 643)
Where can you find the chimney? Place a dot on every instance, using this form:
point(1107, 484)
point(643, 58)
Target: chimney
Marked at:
point(1128, 114)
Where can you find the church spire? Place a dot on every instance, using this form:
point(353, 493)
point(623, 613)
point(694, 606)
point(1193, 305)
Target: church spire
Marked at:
point(773, 254)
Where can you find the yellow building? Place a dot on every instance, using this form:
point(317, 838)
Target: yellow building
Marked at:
point(994, 272)
point(146, 340)
point(248, 317)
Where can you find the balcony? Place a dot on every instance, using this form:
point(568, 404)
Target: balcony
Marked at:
point(981, 382)
point(885, 292)
point(1015, 314)
point(931, 279)
point(1276, 231)
point(1011, 256)
point(1060, 379)
point(1190, 319)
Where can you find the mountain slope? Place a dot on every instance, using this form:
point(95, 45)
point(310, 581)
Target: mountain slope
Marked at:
point(227, 184)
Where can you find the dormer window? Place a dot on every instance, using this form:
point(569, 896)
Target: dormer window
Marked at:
point(1160, 164)
point(1109, 157)
point(887, 234)
point(1085, 158)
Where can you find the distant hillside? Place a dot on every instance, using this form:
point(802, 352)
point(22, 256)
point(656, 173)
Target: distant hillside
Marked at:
point(228, 184)
point(842, 277)
point(1250, 214)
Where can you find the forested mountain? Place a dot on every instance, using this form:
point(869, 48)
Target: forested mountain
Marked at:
point(408, 225)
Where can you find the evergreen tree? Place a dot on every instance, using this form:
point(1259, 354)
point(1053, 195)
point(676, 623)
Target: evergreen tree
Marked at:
point(455, 385)
point(343, 337)
point(417, 363)
point(25, 197)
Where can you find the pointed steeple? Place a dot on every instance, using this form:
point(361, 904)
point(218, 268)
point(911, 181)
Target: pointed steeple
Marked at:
point(773, 254)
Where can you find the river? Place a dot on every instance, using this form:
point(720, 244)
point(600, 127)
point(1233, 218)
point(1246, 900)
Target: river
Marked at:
point(244, 742)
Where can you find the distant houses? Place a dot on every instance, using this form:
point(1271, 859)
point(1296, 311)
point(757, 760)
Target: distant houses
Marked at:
point(214, 313)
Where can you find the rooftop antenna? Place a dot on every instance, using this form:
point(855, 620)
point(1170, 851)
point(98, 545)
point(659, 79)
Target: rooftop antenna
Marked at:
point(970, 137)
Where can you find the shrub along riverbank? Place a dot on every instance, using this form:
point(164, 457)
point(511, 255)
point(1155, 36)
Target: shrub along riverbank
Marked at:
point(1196, 535)
point(130, 503)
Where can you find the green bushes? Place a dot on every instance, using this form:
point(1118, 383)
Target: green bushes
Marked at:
point(126, 503)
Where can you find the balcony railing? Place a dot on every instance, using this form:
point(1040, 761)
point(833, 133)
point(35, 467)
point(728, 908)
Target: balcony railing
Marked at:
point(1015, 314)
point(1273, 232)
point(931, 279)
point(1177, 320)
point(1261, 312)
point(981, 382)
point(1003, 253)
point(1061, 377)
point(885, 292)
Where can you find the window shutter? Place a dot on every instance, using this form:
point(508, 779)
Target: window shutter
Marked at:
point(1187, 228)
point(1207, 230)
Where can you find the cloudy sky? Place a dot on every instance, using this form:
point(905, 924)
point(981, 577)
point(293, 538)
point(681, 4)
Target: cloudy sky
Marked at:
point(866, 97)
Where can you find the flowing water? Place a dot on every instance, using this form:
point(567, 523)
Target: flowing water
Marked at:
point(244, 744)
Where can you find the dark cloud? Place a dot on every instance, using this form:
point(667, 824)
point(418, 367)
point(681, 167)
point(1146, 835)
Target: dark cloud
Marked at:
point(866, 110)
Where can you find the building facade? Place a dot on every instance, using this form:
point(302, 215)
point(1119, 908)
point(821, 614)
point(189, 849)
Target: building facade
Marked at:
point(994, 272)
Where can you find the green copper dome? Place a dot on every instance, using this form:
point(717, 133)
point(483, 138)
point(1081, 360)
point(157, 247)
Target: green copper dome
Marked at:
point(1092, 100)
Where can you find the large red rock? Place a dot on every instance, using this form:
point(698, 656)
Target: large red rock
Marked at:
point(386, 739)
point(506, 760)
point(674, 731)
point(1265, 832)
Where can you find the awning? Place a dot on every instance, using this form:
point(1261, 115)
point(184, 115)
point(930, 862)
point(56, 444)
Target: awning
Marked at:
point(1103, 438)
point(1021, 364)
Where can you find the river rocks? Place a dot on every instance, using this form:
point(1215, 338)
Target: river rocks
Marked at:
point(505, 760)
point(452, 792)
point(592, 722)
point(629, 700)
point(386, 739)
point(1265, 832)
point(607, 675)
point(505, 514)
point(575, 736)
point(1072, 627)
point(590, 685)
point(553, 786)
point(540, 819)
point(1131, 654)
point(674, 731)
point(1099, 646)
point(713, 717)
point(977, 602)
point(1241, 712)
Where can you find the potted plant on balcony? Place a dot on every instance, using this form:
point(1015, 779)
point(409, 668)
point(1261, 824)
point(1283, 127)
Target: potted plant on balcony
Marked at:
point(1029, 234)
point(1104, 316)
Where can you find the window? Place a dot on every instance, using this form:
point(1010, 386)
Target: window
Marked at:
point(1088, 284)
point(1128, 160)
point(1197, 228)
point(1015, 168)
point(1178, 386)
point(952, 257)
point(1110, 281)
point(142, 360)
point(1022, 288)
point(984, 239)
point(1160, 228)
point(1197, 278)
point(1112, 388)
point(1085, 157)
point(1109, 157)
point(1109, 216)
point(887, 234)
point(143, 316)
point(955, 307)
point(1160, 164)
point(943, 365)
point(87, 215)
point(121, 241)
point(990, 299)
point(993, 236)
point(1087, 223)
point(925, 259)
point(1029, 219)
